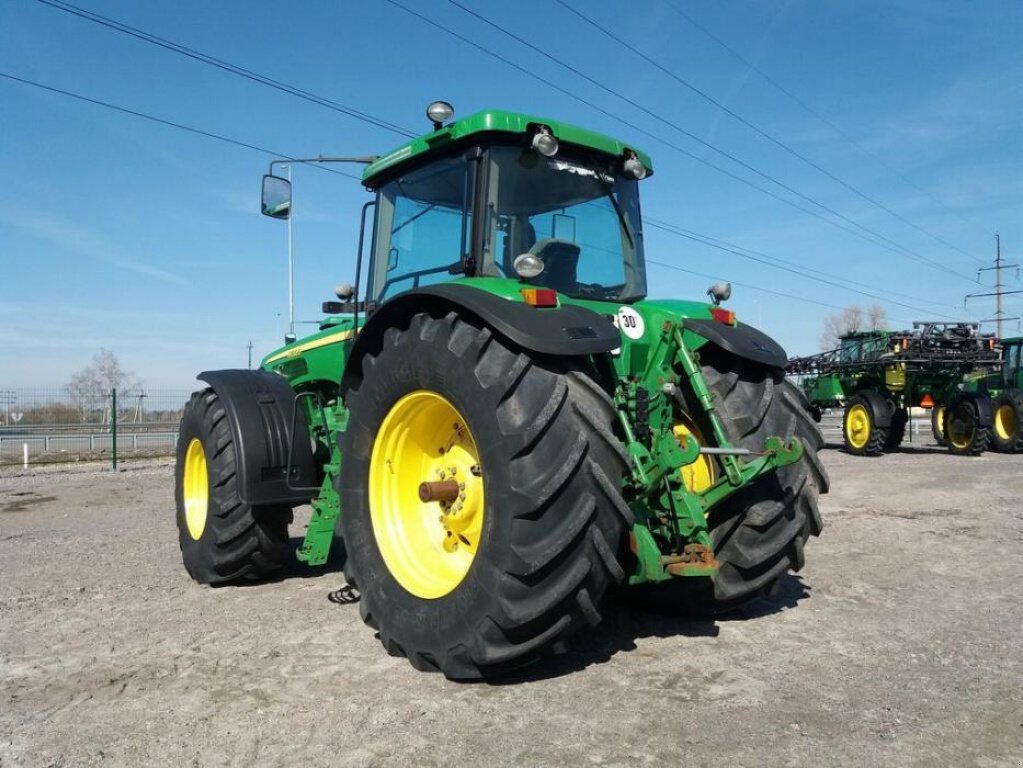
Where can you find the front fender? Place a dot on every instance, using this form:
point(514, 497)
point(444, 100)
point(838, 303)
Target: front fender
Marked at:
point(260, 409)
point(741, 340)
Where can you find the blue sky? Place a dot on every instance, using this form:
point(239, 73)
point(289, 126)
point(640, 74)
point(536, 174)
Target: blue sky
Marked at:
point(116, 232)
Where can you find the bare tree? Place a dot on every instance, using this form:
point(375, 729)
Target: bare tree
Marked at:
point(90, 387)
point(850, 319)
point(837, 325)
point(877, 317)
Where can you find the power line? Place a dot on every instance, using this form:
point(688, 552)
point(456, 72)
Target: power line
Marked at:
point(757, 129)
point(760, 255)
point(169, 123)
point(700, 239)
point(900, 248)
point(817, 115)
point(660, 139)
point(235, 69)
point(665, 226)
point(743, 285)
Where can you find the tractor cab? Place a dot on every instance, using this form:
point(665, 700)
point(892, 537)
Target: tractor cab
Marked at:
point(1012, 363)
point(503, 195)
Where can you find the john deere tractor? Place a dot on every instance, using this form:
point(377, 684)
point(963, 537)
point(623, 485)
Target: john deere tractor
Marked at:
point(495, 419)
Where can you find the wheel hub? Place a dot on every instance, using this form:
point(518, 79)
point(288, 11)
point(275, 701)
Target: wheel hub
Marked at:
point(857, 426)
point(426, 494)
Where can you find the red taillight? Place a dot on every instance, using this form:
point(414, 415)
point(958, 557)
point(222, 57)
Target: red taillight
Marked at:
point(927, 401)
point(724, 316)
point(540, 297)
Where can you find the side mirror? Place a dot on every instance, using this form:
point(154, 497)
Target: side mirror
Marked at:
point(276, 201)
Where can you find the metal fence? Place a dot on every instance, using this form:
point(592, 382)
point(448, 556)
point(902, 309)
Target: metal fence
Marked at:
point(39, 426)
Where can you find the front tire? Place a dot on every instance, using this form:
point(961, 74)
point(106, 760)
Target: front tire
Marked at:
point(222, 540)
point(860, 430)
point(548, 516)
point(759, 534)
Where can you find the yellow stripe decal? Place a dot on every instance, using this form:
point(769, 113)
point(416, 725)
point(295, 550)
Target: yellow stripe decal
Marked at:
point(298, 349)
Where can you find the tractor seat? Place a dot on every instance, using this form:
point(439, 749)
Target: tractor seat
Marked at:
point(560, 263)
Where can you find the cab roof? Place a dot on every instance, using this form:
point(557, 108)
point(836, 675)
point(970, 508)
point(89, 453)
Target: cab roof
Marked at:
point(493, 121)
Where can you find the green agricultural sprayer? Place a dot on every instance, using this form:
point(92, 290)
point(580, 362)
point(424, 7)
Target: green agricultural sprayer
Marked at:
point(496, 419)
point(877, 376)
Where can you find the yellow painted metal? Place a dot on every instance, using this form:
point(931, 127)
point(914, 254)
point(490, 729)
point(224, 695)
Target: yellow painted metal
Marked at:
point(297, 349)
point(195, 489)
point(940, 418)
point(895, 376)
point(960, 433)
point(857, 426)
point(427, 546)
point(1005, 422)
point(702, 473)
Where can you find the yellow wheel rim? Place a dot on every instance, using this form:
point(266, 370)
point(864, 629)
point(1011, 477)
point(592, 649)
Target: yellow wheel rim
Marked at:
point(428, 546)
point(701, 474)
point(939, 420)
point(960, 431)
point(857, 426)
point(196, 489)
point(1005, 422)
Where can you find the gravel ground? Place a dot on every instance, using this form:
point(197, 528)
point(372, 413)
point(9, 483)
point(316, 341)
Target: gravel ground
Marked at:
point(898, 644)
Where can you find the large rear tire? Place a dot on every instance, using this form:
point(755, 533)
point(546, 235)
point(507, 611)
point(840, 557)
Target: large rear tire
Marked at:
point(222, 540)
point(759, 534)
point(1007, 430)
point(542, 515)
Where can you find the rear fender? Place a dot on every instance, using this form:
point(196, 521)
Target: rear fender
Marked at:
point(982, 404)
point(261, 407)
point(568, 330)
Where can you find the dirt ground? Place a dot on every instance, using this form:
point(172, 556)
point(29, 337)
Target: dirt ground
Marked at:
point(900, 643)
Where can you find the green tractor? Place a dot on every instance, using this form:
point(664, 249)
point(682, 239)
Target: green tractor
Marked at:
point(497, 421)
point(877, 376)
point(1004, 398)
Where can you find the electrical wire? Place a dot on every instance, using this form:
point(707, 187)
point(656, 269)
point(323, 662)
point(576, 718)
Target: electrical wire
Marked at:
point(171, 123)
point(235, 69)
point(657, 224)
point(735, 248)
point(899, 247)
point(818, 116)
point(699, 239)
point(757, 129)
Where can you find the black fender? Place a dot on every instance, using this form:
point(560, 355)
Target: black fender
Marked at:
point(743, 341)
point(260, 408)
point(565, 330)
point(983, 406)
point(880, 410)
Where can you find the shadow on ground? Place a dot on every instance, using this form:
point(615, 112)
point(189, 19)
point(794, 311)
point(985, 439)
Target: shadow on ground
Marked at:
point(631, 614)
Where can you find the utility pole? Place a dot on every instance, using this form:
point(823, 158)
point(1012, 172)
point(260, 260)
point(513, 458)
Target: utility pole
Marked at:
point(999, 291)
point(250, 354)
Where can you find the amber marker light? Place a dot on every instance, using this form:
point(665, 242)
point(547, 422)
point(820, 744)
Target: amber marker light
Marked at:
point(723, 316)
point(540, 297)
